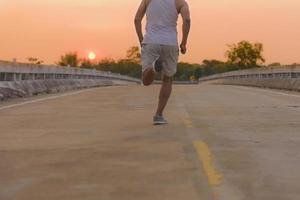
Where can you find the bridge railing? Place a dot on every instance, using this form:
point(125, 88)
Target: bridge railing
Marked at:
point(282, 72)
point(13, 71)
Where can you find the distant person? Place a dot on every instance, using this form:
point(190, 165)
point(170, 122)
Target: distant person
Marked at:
point(160, 45)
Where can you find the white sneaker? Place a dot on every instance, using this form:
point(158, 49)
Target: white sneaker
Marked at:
point(159, 120)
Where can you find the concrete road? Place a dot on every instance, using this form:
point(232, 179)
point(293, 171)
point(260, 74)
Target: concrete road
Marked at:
point(222, 143)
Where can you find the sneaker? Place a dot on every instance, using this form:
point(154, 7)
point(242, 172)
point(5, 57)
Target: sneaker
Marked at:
point(159, 120)
point(158, 65)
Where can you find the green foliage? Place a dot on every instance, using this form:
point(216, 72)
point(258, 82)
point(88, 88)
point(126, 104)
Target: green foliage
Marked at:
point(35, 61)
point(186, 72)
point(275, 64)
point(129, 66)
point(122, 66)
point(86, 64)
point(295, 64)
point(241, 56)
point(69, 59)
point(245, 54)
point(210, 67)
point(133, 54)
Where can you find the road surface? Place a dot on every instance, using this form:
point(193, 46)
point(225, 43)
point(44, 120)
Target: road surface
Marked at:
point(222, 143)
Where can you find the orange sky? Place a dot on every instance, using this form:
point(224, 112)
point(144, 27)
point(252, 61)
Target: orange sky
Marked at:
point(49, 28)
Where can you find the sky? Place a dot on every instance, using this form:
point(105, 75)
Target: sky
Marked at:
point(49, 28)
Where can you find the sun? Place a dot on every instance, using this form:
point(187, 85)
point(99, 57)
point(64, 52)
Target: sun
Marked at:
point(92, 55)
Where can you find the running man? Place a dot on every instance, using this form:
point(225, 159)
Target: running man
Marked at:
point(160, 45)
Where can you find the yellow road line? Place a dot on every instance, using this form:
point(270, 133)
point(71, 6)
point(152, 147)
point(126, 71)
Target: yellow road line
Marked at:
point(206, 157)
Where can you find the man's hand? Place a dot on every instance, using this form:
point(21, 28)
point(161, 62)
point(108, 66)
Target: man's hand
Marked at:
point(183, 48)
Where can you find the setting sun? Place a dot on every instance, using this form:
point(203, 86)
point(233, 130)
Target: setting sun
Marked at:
point(92, 56)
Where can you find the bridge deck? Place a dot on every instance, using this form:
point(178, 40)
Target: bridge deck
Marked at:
point(223, 142)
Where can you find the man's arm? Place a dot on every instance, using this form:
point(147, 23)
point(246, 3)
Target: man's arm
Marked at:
point(185, 13)
point(138, 20)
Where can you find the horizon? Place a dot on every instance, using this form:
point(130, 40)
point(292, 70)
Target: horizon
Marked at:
point(52, 28)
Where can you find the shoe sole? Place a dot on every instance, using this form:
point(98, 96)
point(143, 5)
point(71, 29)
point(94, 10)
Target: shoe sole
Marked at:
point(160, 123)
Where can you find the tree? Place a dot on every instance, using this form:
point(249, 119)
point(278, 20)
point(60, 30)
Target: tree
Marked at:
point(211, 67)
point(295, 64)
point(85, 63)
point(245, 55)
point(106, 64)
point(275, 64)
point(186, 72)
point(69, 59)
point(133, 54)
point(35, 61)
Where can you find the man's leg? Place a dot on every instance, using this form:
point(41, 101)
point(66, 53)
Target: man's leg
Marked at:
point(164, 95)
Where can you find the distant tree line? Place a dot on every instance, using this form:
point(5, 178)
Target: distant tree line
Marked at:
point(35, 61)
point(243, 55)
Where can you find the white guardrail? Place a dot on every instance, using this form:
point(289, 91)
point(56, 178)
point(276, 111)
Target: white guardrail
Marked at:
point(280, 72)
point(13, 71)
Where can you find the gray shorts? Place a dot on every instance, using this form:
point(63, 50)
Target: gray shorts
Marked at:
point(169, 55)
